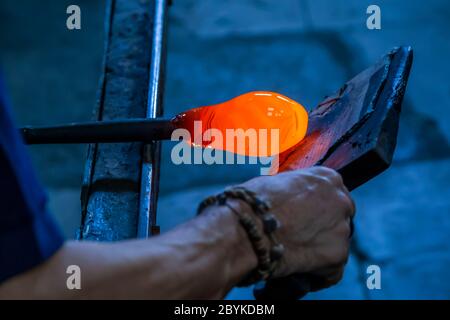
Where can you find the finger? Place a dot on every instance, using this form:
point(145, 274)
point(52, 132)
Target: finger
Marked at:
point(349, 227)
point(326, 278)
point(352, 202)
point(322, 176)
point(334, 176)
point(352, 228)
point(336, 276)
point(347, 203)
point(326, 172)
point(344, 228)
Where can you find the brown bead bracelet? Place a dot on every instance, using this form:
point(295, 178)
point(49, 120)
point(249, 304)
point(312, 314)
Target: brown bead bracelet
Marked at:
point(268, 258)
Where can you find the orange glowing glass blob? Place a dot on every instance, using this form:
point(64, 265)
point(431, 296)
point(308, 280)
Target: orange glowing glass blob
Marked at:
point(256, 114)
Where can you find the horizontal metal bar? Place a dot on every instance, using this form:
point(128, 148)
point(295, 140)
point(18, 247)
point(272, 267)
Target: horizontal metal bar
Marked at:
point(127, 130)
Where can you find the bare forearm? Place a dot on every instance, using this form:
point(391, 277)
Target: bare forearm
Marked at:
point(209, 255)
point(203, 259)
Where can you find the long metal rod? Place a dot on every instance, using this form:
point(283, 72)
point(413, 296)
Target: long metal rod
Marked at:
point(151, 153)
point(128, 130)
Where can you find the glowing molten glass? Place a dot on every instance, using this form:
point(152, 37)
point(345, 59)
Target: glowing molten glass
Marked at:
point(255, 113)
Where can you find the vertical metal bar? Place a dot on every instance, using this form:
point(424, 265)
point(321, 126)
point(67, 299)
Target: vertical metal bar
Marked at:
point(111, 187)
point(151, 152)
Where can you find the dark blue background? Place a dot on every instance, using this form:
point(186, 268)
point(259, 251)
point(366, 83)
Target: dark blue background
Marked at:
point(301, 48)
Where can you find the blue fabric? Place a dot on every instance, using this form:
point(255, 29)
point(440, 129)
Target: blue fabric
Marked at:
point(28, 234)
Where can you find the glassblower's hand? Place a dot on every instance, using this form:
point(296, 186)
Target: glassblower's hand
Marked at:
point(313, 206)
point(315, 210)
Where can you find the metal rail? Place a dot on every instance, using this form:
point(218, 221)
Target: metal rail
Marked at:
point(151, 154)
point(119, 191)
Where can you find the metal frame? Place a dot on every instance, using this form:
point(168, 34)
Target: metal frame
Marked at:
point(120, 184)
point(152, 152)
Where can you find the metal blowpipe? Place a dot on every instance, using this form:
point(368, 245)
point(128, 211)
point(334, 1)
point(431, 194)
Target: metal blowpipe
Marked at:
point(129, 130)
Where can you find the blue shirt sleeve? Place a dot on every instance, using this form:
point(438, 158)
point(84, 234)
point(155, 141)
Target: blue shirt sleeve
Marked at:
point(28, 234)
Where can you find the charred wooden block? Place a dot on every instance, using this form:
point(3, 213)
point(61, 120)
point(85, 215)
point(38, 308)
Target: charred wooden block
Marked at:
point(354, 132)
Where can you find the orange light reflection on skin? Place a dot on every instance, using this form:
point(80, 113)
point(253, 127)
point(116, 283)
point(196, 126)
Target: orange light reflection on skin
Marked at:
point(254, 110)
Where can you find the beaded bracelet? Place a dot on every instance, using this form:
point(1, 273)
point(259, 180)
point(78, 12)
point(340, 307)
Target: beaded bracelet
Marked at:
point(268, 258)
